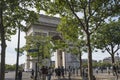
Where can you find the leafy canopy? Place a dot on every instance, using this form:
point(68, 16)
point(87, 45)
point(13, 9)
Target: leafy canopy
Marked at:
point(17, 13)
point(108, 37)
point(40, 44)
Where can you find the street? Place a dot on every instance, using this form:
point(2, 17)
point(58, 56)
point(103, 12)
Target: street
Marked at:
point(11, 76)
point(26, 76)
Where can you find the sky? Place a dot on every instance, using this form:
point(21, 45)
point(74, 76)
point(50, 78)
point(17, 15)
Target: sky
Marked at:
point(11, 53)
point(10, 50)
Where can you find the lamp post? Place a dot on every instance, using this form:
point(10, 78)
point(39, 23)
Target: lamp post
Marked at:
point(17, 61)
point(36, 64)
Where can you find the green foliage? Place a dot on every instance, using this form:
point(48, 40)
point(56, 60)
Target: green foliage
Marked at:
point(108, 37)
point(17, 13)
point(59, 44)
point(69, 28)
point(14, 14)
point(20, 51)
point(104, 64)
point(98, 64)
point(40, 43)
point(79, 17)
point(84, 65)
point(88, 16)
point(11, 67)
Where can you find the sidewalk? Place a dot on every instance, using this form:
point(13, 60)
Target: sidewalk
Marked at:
point(106, 76)
point(66, 78)
point(99, 76)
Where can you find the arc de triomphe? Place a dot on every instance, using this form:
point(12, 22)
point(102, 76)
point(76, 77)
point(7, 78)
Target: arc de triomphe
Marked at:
point(47, 27)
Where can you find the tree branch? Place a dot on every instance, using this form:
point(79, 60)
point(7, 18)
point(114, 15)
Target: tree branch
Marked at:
point(117, 48)
point(108, 50)
point(89, 7)
point(82, 25)
point(86, 23)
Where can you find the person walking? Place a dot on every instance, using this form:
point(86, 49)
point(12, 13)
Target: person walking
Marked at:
point(44, 72)
point(85, 75)
point(49, 73)
point(115, 73)
point(20, 75)
point(69, 73)
point(32, 74)
point(58, 70)
point(62, 71)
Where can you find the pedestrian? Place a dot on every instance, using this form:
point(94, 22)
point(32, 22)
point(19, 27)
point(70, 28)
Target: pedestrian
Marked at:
point(96, 70)
point(62, 71)
point(69, 73)
point(94, 77)
point(101, 69)
point(73, 71)
point(83, 72)
point(58, 70)
point(85, 76)
point(108, 71)
point(76, 71)
point(44, 72)
point(20, 75)
point(55, 70)
point(49, 73)
point(32, 74)
point(115, 73)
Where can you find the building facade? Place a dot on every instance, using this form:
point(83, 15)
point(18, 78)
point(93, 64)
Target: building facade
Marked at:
point(109, 59)
point(47, 26)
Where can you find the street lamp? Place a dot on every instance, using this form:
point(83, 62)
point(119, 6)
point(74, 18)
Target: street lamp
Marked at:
point(36, 64)
point(17, 61)
point(36, 70)
point(38, 59)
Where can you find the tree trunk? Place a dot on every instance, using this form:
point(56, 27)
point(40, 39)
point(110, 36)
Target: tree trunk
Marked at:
point(112, 57)
point(90, 71)
point(80, 63)
point(3, 46)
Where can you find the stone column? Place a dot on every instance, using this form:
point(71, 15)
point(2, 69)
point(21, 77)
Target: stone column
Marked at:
point(27, 64)
point(64, 59)
point(59, 58)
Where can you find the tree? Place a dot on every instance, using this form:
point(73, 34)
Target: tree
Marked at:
point(21, 51)
point(73, 36)
point(78, 48)
point(12, 67)
point(38, 46)
point(94, 13)
point(108, 38)
point(13, 13)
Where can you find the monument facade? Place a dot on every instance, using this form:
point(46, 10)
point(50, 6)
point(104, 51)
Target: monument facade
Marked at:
point(47, 26)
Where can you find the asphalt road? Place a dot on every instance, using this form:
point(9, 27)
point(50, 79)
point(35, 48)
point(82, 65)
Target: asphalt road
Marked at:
point(11, 76)
point(26, 76)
